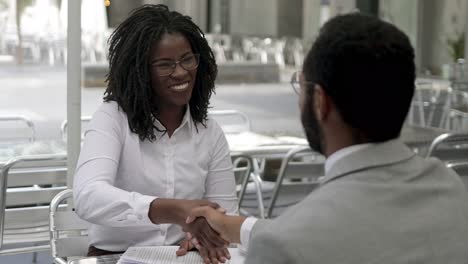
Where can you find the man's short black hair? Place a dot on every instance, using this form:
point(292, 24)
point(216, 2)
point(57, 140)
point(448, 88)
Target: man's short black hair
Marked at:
point(367, 67)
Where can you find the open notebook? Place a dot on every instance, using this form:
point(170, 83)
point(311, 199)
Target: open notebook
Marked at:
point(167, 255)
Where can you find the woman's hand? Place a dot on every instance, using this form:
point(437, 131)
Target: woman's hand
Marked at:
point(213, 256)
point(174, 211)
point(207, 236)
point(184, 246)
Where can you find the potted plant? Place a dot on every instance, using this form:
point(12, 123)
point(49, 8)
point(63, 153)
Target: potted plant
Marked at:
point(456, 50)
point(456, 47)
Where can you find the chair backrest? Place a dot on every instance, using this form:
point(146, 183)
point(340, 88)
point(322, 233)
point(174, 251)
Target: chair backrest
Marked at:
point(242, 166)
point(457, 121)
point(298, 175)
point(254, 189)
point(63, 128)
point(460, 85)
point(17, 129)
point(457, 111)
point(231, 121)
point(449, 147)
point(461, 168)
point(28, 184)
point(68, 233)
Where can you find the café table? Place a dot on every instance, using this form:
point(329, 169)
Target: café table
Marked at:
point(107, 259)
point(257, 144)
point(257, 148)
point(248, 143)
point(39, 147)
point(152, 255)
point(420, 138)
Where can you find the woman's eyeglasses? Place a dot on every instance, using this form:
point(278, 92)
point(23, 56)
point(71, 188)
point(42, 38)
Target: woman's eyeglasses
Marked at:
point(167, 67)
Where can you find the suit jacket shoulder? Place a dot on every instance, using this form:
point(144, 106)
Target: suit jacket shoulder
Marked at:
point(268, 247)
point(383, 205)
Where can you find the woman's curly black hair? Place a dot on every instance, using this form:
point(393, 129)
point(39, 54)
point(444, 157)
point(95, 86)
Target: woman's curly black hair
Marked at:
point(129, 79)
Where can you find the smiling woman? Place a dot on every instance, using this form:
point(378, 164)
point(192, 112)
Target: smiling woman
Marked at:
point(150, 153)
point(173, 74)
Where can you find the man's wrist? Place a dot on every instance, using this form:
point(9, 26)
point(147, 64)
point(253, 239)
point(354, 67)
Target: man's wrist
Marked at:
point(233, 227)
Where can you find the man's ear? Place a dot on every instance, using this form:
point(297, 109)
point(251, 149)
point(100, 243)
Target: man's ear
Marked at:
point(321, 104)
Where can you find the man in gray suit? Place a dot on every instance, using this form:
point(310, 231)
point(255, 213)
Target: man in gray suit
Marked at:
point(379, 202)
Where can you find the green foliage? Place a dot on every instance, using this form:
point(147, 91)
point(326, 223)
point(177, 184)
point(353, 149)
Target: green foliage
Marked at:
point(456, 47)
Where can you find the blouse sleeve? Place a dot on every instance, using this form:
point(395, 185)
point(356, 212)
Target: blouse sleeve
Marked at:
point(96, 198)
point(220, 185)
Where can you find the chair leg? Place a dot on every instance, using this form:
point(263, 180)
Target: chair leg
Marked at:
point(258, 186)
point(34, 257)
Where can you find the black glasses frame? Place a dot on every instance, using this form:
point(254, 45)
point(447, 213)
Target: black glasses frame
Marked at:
point(174, 64)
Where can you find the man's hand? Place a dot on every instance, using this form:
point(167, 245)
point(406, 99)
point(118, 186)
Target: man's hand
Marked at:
point(227, 226)
point(208, 255)
point(186, 207)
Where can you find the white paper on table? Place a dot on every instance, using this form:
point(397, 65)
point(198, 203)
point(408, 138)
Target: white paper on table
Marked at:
point(293, 140)
point(250, 139)
point(167, 255)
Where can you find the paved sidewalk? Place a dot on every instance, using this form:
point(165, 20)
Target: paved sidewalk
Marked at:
point(39, 92)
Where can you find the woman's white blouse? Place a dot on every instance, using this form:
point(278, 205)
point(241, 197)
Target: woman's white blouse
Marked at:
point(118, 176)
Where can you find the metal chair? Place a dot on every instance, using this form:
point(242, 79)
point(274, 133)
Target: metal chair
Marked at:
point(255, 191)
point(457, 117)
point(457, 120)
point(27, 186)
point(242, 167)
point(250, 186)
point(68, 233)
point(431, 101)
point(64, 126)
point(11, 123)
point(298, 176)
point(449, 147)
point(460, 85)
point(461, 168)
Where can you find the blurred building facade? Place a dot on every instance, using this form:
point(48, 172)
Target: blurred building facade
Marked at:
point(430, 24)
point(436, 28)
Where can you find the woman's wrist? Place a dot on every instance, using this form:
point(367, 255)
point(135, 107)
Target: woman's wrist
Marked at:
point(167, 211)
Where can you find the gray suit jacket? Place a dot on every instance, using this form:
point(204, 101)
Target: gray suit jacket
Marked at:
point(381, 204)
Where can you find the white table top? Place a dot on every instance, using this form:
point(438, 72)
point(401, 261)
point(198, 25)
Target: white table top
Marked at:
point(153, 255)
point(247, 143)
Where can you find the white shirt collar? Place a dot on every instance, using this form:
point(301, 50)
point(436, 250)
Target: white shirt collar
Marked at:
point(186, 119)
point(337, 155)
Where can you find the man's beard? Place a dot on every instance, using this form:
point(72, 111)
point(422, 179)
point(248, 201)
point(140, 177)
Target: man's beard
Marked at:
point(311, 128)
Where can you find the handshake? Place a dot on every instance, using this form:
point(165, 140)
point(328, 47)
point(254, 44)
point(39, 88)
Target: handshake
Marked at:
point(207, 227)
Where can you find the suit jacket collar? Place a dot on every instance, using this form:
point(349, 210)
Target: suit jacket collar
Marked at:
point(376, 155)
